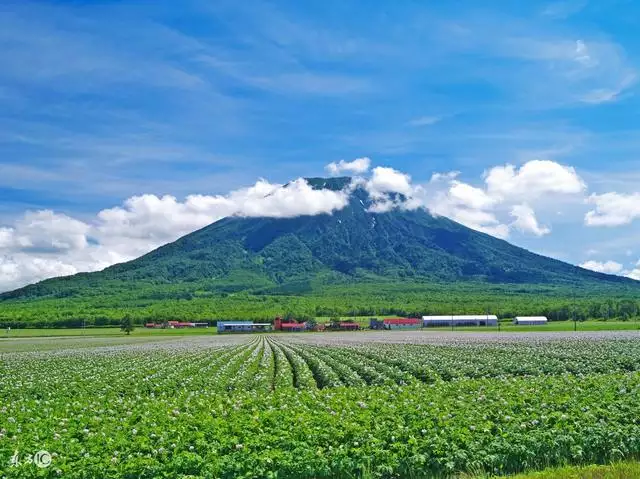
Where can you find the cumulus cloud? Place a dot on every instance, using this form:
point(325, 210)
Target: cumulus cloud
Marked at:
point(634, 273)
point(461, 202)
point(507, 190)
point(44, 244)
point(391, 189)
point(357, 166)
point(609, 267)
point(16, 270)
point(526, 221)
point(613, 209)
point(387, 180)
point(45, 230)
point(534, 179)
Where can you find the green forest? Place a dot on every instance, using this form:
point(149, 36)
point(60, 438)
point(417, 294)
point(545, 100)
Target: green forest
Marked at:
point(153, 302)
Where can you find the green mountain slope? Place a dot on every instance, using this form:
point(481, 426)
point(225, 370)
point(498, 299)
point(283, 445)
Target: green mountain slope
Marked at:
point(309, 254)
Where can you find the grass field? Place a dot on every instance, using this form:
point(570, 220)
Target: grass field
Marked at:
point(622, 470)
point(320, 405)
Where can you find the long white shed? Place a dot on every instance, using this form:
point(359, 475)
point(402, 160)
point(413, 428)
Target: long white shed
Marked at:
point(460, 320)
point(530, 320)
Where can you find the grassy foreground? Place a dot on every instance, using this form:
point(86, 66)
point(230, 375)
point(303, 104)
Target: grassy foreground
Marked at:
point(622, 470)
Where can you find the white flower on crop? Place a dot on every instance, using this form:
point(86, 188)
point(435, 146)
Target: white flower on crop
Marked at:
point(191, 448)
point(85, 430)
point(239, 446)
point(361, 404)
point(472, 428)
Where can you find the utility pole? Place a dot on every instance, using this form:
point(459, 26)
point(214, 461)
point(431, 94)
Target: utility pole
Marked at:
point(451, 316)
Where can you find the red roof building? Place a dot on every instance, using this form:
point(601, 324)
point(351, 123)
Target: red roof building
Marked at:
point(349, 326)
point(402, 321)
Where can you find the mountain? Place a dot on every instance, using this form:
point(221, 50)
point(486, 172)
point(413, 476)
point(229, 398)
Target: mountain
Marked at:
point(306, 254)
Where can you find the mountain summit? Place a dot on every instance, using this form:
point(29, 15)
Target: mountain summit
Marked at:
point(353, 244)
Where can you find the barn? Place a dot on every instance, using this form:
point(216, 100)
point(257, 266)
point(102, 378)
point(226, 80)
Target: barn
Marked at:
point(530, 320)
point(460, 320)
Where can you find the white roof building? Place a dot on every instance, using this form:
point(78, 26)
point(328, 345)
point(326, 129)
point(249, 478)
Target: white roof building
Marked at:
point(530, 320)
point(461, 320)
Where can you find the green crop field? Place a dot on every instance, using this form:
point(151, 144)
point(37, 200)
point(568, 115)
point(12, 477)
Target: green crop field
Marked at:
point(311, 405)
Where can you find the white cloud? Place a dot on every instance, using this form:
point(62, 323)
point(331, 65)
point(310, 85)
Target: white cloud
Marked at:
point(609, 267)
point(45, 244)
point(470, 196)
point(526, 221)
point(534, 179)
point(387, 180)
point(45, 230)
point(504, 192)
point(16, 270)
point(357, 166)
point(466, 204)
point(634, 273)
point(613, 209)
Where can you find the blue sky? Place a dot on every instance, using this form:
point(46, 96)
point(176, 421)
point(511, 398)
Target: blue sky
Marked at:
point(104, 101)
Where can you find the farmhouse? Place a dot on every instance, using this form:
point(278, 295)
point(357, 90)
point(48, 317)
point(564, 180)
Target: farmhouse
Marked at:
point(395, 323)
point(530, 320)
point(460, 320)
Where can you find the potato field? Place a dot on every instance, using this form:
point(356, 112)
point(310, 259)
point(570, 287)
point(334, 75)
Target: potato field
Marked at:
point(313, 405)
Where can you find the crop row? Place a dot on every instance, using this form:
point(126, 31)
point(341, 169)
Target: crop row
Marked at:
point(268, 363)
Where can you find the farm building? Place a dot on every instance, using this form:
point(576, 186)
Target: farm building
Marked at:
point(348, 326)
point(395, 323)
point(530, 320)
point(343, 326)
point(460, 320)
point(176, 324)
point(282, 325)
point(242, 327)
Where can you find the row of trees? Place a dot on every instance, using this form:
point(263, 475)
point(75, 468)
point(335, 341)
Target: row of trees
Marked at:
point(345, 301)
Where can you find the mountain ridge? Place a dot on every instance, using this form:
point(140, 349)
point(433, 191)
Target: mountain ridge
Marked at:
point(350, 244)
